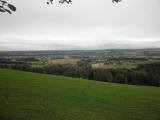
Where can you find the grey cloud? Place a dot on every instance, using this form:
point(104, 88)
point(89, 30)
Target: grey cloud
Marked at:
point(85, 24)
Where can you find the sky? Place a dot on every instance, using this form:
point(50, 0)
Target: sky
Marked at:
point(82, 25)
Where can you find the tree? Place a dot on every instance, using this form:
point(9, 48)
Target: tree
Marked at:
point(6, 7)
point(120, 78)
point(109, 77)
point(99, 74)
point(85, 68)
point(154, 79)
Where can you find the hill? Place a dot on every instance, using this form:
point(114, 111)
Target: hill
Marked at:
point(32, 96)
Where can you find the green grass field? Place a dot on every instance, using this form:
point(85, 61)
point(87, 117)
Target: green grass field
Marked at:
point(32, 96)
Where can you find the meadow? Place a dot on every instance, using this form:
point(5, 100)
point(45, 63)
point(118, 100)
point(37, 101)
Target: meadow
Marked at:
point(33, 96)
point(63, 61)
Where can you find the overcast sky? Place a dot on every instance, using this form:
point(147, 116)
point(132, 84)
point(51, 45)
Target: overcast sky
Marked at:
point(84, 24)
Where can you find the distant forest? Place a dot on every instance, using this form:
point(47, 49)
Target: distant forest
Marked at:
point(145, 74)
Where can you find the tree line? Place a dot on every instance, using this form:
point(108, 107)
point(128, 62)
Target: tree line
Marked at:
point(146, 74)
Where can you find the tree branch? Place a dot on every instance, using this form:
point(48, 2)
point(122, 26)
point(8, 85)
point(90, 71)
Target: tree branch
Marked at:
point(6, 7)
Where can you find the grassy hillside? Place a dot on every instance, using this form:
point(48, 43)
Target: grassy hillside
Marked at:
point(32, 96)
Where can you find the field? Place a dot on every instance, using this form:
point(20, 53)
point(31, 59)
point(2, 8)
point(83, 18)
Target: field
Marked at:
point(122, 64)
point(63, 61)
point(32, 96)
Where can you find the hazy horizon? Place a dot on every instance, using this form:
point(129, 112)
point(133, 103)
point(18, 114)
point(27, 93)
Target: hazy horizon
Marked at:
point(82, 25)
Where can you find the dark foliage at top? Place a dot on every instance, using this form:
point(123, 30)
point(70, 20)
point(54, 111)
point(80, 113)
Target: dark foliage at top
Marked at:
point(6, 7)
point(61, 1)
point(70, 1)
point(116, 1)
point(9, 8)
